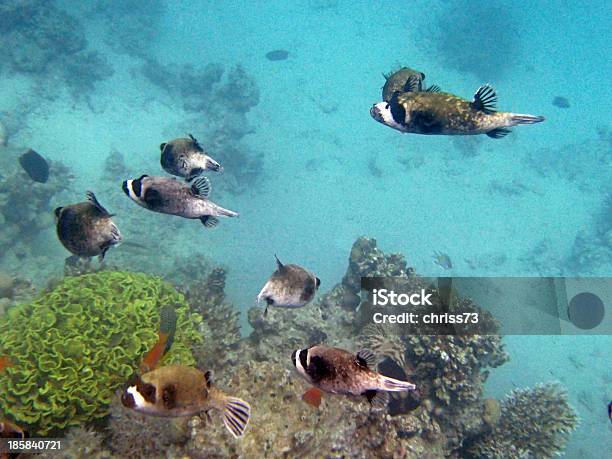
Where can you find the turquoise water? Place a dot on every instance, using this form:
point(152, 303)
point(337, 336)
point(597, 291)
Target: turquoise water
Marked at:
point(330, 174)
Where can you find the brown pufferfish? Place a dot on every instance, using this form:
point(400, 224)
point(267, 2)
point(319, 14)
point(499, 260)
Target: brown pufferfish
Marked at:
point(86, 229)
point(186, 158)
point(403, 80)
point(290, 286)
point(179, 390)
point(440, 113)
point(338, 371)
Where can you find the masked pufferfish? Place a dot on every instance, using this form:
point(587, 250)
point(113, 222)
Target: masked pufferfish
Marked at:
point(186, 158)
point(168, 195)
point(432, 112)
point(86, 229)
point(290, 286)
point(179, 390)
point(337, 371)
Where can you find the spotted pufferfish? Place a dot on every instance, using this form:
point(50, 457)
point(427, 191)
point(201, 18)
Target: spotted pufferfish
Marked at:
point(433, 112)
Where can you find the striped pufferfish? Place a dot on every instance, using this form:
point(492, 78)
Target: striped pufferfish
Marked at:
point(432, 112)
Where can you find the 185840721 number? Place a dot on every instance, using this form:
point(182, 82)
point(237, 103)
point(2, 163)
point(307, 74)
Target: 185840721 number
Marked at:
point(30, 445)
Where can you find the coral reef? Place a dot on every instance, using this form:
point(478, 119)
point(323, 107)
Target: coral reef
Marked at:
point(193, 85)
point(532, 423)
point(449, 370)
point(220, 326)
point(367, 260)
point(239, 93)
point(137, 436)
point(592, 249)
point(284, 426)
point(43, 41)
point(82, 70)
point(13, 289)
point(446, 417)
point(385, 342)
point(22, 219)
point(114, 167)
point(131, 26)
point(465, 45)
point(35, 33)
point(77, 343)
point(583, 164)
point(80, 443)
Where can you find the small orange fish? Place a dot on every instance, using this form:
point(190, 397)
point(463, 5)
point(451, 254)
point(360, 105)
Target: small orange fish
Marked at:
point(167, 328)
point(5, 362)
point(313, 397)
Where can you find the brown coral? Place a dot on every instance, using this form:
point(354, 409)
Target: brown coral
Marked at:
point(533, 422)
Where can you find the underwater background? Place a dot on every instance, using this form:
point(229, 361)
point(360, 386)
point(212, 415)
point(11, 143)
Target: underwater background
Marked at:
point(95, 87)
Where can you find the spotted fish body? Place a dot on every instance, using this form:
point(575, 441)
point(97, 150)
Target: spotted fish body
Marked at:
point(290, 286)
point(86, 229)
point(168, 195)
point(179, 390)
point(338, 371)
point(186, 158)
point(440, 113)
point(398, 82)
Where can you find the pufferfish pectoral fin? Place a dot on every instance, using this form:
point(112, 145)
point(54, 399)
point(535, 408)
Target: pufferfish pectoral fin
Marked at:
point(485, 99)
point(367, 359)
point(201, 187)
point(208, 221)
point(498, 133)
point(378, 399)
point(414, 83)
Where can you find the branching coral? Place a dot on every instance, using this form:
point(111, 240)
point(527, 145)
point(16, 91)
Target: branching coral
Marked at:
point(385, 342)
point(77, 343)
point(220, 327)
point(138, 436)
point(80, 443)
point(40, 39)
point(367, 260)
point(534, 423)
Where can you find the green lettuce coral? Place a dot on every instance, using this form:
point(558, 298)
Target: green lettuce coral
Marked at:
point(76, 344)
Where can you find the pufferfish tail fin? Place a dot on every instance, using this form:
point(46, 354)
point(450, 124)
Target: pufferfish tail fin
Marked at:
point(236, 415)
point(513, 119)
point(394, 385)
point(519, 118)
